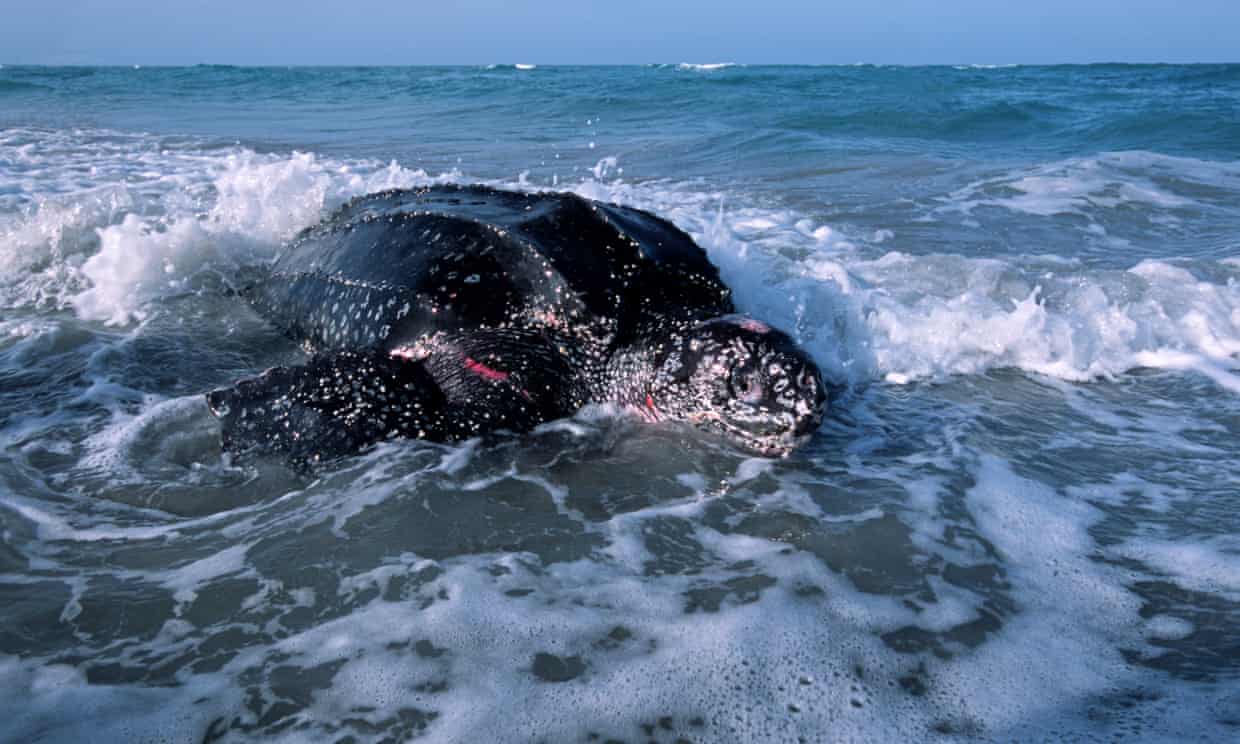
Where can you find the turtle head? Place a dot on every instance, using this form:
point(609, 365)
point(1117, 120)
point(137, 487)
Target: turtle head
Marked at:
point(743, 379)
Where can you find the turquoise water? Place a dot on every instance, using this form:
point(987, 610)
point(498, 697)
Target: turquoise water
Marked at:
point(1019, 524)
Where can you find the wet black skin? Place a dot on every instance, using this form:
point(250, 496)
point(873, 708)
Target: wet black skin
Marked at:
point(449, 312)
point(746, 381)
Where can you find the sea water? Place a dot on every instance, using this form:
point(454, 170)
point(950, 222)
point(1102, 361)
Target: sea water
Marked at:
point(1019, 522)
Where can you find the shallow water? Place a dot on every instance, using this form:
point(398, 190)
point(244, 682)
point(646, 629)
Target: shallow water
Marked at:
point(1019, 523)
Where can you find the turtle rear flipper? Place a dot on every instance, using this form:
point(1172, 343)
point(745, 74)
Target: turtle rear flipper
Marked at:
point(334, 405)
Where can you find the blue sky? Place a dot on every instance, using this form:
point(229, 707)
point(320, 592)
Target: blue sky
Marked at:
point(619, 31)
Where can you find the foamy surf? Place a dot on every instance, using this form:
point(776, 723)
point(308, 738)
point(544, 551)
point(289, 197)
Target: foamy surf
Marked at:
point(704, 66)
point(897, 317)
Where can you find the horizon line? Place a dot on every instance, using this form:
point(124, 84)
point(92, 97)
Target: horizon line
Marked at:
point(535, 65)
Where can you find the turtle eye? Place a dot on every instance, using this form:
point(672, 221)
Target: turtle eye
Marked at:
point(746, 384)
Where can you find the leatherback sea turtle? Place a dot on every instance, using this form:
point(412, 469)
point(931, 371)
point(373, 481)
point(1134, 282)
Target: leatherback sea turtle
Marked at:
point(447, 312)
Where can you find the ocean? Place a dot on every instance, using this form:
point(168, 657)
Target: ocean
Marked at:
point(1019, 522)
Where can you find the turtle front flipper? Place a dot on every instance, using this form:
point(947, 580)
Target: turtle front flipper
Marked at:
point(334, 405)
point(449, 390)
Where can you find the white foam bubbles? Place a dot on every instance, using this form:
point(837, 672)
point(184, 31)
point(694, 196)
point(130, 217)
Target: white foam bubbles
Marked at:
point(1203, 565)
point(1084, 185)
point(41, 248)
point(704, 66)
point(260, 202)
point(54, 527)
point(185, 580)
point(1168, 628)
point(1073, 614)
point(150, 216)
point(136, 263)
point(41, 694)
point(902, 317)
point(899, 317)
point(983, 314)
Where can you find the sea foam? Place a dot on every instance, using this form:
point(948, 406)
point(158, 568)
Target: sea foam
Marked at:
point(109, 251)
